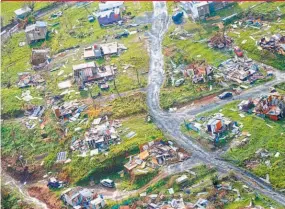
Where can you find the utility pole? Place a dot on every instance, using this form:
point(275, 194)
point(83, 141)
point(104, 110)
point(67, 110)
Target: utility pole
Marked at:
point(114, 78)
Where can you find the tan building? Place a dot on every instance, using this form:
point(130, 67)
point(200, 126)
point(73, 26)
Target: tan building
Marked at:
point(36, 32)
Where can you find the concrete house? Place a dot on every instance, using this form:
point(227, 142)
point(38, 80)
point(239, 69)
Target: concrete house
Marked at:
point(109, 16)
point(22, 12)
point(36, 32)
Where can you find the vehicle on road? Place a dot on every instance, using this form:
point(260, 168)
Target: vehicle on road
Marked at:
point(108, 183)
point(226, 95)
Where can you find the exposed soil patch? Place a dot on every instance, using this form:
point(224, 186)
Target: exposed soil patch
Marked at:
point(45, 195)
point(22, 172)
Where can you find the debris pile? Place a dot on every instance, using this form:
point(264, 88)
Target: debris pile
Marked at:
point(275, 44)
point(27, 79)
point(241, 70)
point(88, 72)
point(199, 71)
point(99, 137)
point(68, 111)
point(220, 41)
point(155, 154)
point(79, 197)
point(40, 58)
point(272, 107)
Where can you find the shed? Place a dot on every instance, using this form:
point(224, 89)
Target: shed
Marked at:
point(22, 12)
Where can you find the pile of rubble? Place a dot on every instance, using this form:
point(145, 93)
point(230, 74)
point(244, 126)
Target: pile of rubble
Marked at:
point(99, 137)
point(40, 58)
point(272, 106)
point(153, 155)
point(220, 41)
point(241, 70)
point(79, 197)
point(27, 79)
point(68, 111)
point(199, 71)
point(275, 44)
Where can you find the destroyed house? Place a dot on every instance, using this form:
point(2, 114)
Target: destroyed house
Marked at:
point(22, 12)
point(272, 106)
point(155, 154)
point(87, 72)
point(109, 17)
point(274, 44)
point(102, 134)
point(40, 58)
point(68, 110)
point(199, 71)
point(27, 79)
point(36, 32)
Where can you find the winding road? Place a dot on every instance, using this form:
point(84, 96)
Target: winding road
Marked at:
point(170, 123)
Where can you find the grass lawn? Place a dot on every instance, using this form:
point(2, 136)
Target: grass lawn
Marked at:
point(262, 136)
point(129, 105)
point(8, 8)
point(29, 142)
point(176, 96)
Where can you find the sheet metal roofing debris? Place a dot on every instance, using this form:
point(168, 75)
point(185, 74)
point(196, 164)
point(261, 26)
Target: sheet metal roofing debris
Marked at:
point(199, 71)
point(153, 155)
point(68, 111)
point(99, 137)
point(275, 44)
point(27, 79)
point(220, 41)
point(241, 70)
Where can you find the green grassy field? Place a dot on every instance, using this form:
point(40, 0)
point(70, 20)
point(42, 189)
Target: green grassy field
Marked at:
point(262, 136)
point(177, 96)
point(8, 8)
